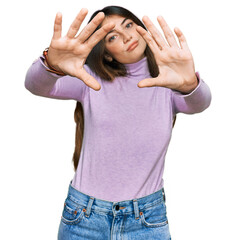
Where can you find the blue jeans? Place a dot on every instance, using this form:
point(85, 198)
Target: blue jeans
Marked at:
point(86, 217)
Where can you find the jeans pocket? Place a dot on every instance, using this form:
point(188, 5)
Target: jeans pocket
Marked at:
point(72, 213)
point(155, 216)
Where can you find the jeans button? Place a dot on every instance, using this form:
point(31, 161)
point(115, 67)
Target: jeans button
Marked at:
point(117, 207)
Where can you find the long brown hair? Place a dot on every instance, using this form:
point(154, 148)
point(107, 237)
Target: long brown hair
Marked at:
point(106, 70)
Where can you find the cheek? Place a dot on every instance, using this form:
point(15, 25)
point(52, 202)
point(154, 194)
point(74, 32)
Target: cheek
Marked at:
point(115, 48)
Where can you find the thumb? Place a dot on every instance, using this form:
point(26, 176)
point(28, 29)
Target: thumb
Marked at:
point(89, 80)
point(151, 82)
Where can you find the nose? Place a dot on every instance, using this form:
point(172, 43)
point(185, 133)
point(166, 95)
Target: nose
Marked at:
point(127, 36)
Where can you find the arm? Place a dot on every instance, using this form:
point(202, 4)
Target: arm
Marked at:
point(189, 93)
point(194, 102)
point(43, 83)
point(68, 54)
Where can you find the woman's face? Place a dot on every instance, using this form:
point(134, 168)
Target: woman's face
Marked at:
point(124, 43)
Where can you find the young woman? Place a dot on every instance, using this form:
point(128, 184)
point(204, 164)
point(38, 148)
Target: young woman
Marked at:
point(129, 84)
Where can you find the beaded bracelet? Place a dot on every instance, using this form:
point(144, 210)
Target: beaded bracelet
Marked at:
point(53, 70)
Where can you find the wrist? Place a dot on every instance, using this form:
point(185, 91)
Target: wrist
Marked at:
point(51, 68)
point(188, 89)
point(45, 62)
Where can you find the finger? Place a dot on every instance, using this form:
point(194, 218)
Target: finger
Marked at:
point(89, 80)
point(167, 32)
point(77, 23)
point(91, 27)
point(147, 83)
point(100, 34)
point(182, 39)
point(152, 82)
point(155, 33)
point(57, 26)
point(149, 39)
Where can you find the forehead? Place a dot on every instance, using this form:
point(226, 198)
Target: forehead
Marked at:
point(113, 18)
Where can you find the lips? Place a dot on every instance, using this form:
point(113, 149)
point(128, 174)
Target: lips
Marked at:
point(132, 46)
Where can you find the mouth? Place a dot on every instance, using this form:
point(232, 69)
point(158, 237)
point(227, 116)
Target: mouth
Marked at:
point(132, 46)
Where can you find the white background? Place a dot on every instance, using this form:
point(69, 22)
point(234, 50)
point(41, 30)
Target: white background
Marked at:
point(37, 134)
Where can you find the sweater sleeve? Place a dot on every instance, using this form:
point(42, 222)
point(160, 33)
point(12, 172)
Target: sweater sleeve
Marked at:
point(46, 84)
point(195, 102)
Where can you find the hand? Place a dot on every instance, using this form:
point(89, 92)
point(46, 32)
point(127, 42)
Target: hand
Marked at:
point(176, 66)
point(68, 54)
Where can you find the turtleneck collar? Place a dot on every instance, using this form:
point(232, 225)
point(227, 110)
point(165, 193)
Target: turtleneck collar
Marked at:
point(138, 68)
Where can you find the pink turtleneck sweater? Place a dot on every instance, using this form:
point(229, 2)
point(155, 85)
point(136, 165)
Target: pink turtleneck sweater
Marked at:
point(127, 129)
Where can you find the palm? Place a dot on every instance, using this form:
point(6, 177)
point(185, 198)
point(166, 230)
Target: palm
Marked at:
point(71, 58)
point(176, 66)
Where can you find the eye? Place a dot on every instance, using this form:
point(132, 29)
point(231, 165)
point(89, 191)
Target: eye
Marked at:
point(111, 38)
point(129, 25)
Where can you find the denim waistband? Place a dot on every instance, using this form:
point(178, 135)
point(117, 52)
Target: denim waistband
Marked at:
point(136, 205)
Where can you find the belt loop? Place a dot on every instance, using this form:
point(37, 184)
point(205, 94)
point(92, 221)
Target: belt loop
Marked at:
point(136, 209)
point(89, 206)
point(163, 194)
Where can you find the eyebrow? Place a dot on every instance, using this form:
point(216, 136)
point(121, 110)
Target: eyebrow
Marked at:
point(120, 25)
